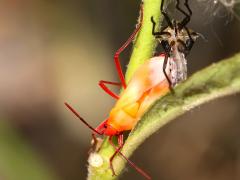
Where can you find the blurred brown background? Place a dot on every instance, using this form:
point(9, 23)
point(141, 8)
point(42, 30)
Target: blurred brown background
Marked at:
point(57, 51)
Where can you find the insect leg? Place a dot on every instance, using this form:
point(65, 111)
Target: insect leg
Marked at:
point(187, 18)
point(120, 145)
point(130, 39)
point(155, 33)
point(165, 73)
point(120, 141)
point(182, 11)
point(103, 83)
point(190, 42)
point(166, 15)
point(94, 144)
point(188, 8)
point(167, 50)
point(94, 139)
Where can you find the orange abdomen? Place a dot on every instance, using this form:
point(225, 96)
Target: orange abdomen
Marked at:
point(146, 86)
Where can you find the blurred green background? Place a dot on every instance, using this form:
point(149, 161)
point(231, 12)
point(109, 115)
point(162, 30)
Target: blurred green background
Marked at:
point(56, 51)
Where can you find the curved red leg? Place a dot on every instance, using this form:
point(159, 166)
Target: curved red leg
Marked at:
point(116, 56)
point(118, 151)
point(120, 145)
point(103, 83)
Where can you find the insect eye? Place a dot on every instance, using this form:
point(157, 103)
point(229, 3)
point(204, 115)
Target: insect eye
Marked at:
point(166, 45)
point(105, 126)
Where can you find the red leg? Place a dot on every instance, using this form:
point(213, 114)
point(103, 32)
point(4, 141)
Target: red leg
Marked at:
point(95, 144)
point(103, 83)
point(118, 150)
point(116, 56)
point(95, 141)
point(120, 145)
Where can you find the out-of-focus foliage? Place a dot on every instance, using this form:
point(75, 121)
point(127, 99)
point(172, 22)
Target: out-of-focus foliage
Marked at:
point(17, 159)
point(56, 51)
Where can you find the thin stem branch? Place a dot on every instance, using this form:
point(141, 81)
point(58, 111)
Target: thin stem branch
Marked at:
point(143, 48)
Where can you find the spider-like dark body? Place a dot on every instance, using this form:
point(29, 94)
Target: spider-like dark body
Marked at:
point(177, 41)
point(177, 38)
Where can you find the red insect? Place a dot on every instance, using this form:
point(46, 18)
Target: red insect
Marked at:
point(147, 84)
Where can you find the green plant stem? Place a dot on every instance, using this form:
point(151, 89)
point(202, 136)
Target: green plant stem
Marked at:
point(143, 48)
point(145, 43)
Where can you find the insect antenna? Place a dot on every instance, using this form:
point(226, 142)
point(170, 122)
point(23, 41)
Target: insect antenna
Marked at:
point(80, 118)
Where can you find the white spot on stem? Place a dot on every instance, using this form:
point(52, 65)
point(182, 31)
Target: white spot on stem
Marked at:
point(95, 160)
